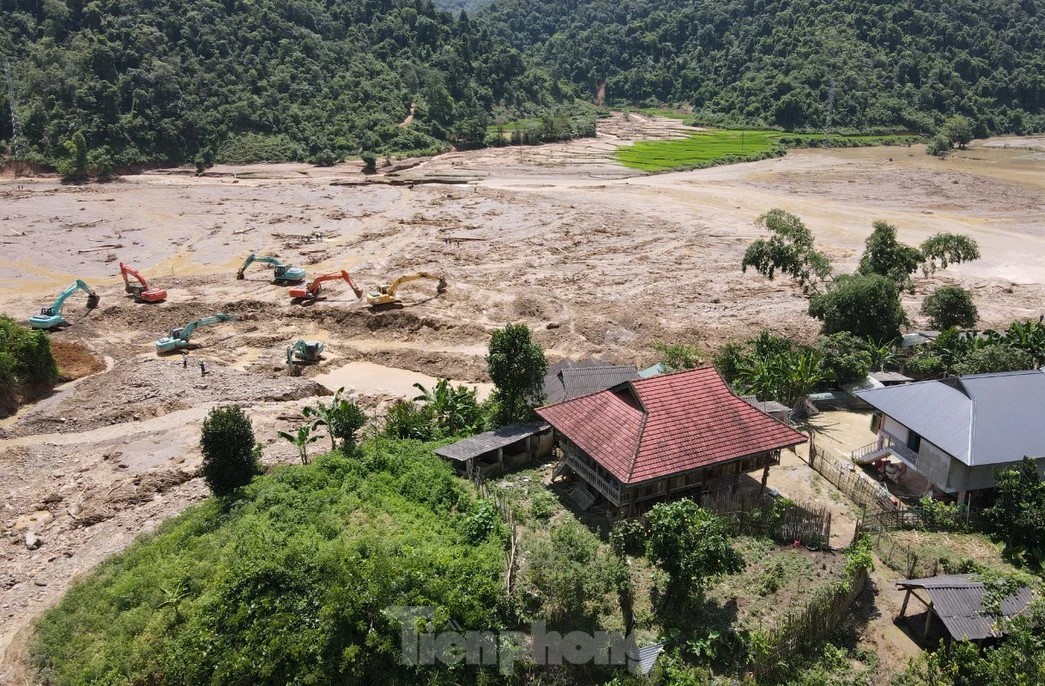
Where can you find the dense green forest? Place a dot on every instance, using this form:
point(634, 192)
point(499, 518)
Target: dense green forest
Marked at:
point(849, 64)
point(171, 80)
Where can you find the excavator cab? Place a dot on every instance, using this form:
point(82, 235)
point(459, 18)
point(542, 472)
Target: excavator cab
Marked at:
point(176, 333)
point(47, 311)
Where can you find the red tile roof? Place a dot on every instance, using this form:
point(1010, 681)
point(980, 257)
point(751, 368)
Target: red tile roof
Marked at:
point(687, 420)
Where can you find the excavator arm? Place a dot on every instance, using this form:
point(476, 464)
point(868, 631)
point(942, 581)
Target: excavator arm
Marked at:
point(179, 338)
point(281, 272)
point(51, 317)
point(313, 288)
point(387, 294)
point(142, 291)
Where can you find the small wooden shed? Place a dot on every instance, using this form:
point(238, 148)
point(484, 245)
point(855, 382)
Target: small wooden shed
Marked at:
point(494, 452)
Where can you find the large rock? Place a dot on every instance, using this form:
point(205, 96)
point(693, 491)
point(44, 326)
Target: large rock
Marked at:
point(32, 541)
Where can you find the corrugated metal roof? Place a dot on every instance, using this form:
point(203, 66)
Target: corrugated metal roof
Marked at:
point(667, 425)
point(890, 377)
point(980, 419)
point(770, 407)
point(554, 390)
point(580, 381)
point(475, 446)
point(958, 601)
point(645, 658)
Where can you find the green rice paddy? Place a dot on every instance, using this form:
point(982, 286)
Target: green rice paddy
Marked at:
point(728, 146)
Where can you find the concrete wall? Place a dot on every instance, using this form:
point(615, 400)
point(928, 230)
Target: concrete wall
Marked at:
point(895, 428)
point(935, 465)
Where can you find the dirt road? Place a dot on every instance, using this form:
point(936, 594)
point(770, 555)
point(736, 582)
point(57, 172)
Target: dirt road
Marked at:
point(597, 258)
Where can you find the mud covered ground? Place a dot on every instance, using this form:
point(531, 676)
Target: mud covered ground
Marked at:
point(598, 259)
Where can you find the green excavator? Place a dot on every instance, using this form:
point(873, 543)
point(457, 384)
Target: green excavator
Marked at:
point(179, 338)
point(304, 352)
point(50, 317)
point(281, 273)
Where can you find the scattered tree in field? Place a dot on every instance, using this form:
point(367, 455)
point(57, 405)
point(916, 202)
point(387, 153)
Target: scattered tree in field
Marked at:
point(302, 439)
point(958, 131)
point(74, 167)
point(939, 146)
point(884, 255)
point(789, 249)
point(517, 367)
point(679, 356)
point(229, 450)
point(369, 162)
point(691, 545)
point(1018, 513)
point(944, 249)
point(866, 306)
point(950, 306)
point(342, 418)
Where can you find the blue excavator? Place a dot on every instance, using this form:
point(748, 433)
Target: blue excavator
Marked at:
point(304, 352)
point(281, 273)
point(179, 338)
point(50, 317)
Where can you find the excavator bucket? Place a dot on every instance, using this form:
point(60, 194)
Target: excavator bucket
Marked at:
point(92, 301)
point(442, 286)
point(239, 275)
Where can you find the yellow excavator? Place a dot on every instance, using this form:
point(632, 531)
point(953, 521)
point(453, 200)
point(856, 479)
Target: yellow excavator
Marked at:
point(386, 295)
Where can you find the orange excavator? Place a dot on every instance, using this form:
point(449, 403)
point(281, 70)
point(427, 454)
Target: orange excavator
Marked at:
point(311, 291)
point(142, 292)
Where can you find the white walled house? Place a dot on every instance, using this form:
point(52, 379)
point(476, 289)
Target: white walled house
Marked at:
point(955, 432)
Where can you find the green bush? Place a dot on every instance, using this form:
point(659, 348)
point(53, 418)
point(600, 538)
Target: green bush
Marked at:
point(407, 420)
point(293, 585)
point(950, 306)
point(27, 365)
point(229, 450)
point(73, 168)
point(542, 505)
point(866, 306)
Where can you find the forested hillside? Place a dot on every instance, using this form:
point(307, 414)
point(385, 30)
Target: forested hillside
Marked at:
point(170, 80)
point(856, 64)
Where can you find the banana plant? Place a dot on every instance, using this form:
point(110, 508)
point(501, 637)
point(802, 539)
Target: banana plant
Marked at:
point(302, 439)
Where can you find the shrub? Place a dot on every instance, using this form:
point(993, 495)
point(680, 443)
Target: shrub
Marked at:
point(845, 357)
point(679, 356)
point(294, 585)
point(994, 358)
point(405, 419)
point(229, 456)
point(369, 162)
point(950, 306)
point(691, 545)
point(74, 167)
point(26, 363)
point(939, 146)
point(867, 306)
point(542, 505)
point(628, 537)
point(324, 158)
point(1018, 513)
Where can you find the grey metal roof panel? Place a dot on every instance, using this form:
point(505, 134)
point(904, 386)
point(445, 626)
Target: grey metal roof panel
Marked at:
point(890, 377)
point(554, 391)
point(1008, 416)
point(980, 419)
point(767, 406)
point(473, 446)
point(938, 413)
point(580, 381)
point(958, 602)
